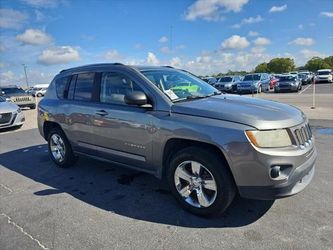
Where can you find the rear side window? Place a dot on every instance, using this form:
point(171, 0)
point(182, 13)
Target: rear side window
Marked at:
point(84, 87)
point(115, 86)
point(61, 86)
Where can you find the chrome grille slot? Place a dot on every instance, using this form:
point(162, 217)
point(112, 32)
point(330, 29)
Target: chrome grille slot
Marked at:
point(22, 99)
point(302, 135)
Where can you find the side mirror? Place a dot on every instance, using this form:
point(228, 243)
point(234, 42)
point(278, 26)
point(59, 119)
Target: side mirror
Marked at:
point(136, 98)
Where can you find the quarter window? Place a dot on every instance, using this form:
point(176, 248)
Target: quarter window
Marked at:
point(61, 86)
point(114, 87)
point(84, 87)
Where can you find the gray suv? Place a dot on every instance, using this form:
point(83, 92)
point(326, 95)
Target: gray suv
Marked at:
point(160, 120)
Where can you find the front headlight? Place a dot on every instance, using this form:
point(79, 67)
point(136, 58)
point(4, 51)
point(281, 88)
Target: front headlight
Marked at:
point(269, 138)
point(8, 99)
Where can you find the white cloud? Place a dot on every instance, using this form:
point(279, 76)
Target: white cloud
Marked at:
point(303, 41)
point(327, 14)
point(308, 54)
point(210, 10)
point(261, 41)
point(58, 55)
point(163, 39)
point(34, 37)
point(253, 33)
point(176, 62)
point(251, 20)
point(39, 16)
point(152, 59)
point(300, 26)
point(7, 78)
point(278, 8)
point(235, 42)
point(44, 3)
point(258, 50)
point(112, 55)
point(12, 19)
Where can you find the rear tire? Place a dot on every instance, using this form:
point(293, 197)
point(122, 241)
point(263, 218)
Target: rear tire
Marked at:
point(59, 148)
point(209, 189)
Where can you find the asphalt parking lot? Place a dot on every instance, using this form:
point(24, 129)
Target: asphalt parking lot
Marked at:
point(96, 205)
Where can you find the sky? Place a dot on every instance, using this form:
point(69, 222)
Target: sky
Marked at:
point(202, 36)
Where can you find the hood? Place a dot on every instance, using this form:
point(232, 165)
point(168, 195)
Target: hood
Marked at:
point(7, 107)
point(258, 113)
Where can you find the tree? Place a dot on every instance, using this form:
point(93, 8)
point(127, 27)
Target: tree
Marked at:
point(329, 60)
point(261, 68)
point(318, 63)
point(281, 65)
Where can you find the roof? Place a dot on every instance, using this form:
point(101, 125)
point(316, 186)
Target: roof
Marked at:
point(324, 70)
point(98, 65)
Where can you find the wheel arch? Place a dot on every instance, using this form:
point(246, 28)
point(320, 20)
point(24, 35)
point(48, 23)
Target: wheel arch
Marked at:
point(173, 145)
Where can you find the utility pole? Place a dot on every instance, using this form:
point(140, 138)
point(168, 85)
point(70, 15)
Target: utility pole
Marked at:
point(26, 76)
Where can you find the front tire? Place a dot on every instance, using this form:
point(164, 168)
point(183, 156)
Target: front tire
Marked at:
point(60, 149)
point(200, 181)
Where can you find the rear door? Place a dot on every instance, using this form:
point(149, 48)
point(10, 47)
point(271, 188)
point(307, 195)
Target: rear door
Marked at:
point(77, 110)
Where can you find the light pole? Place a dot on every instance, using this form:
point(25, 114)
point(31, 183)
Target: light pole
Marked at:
point(26, 76)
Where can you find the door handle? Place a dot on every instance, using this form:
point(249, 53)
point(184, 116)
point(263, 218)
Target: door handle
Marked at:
point(101, 112)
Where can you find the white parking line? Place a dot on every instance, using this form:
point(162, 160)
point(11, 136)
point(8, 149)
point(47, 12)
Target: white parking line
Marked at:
point(10, 221)
point(305, 89)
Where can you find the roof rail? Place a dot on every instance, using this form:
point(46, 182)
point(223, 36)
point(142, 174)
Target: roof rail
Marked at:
point(92, 65)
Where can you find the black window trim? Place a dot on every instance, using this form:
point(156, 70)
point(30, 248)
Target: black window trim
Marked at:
point(98, 89)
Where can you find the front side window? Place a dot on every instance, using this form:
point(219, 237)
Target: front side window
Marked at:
point(84, 87)
point(9, 91)
point(179, 85)
point(114, 87)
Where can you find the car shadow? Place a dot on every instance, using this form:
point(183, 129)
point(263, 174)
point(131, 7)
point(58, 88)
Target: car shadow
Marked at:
point(122, 191)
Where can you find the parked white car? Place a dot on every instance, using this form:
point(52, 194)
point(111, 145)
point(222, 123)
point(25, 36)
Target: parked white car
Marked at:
point(324, 75)
point(10, 114)
point(39, 90)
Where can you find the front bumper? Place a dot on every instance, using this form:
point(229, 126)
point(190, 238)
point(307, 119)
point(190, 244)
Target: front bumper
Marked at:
point(286, 88)
point(295, 183)
point(17, 119)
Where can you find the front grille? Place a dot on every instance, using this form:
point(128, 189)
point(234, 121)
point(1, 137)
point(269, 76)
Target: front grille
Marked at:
point(5, 118)
point(21, 99)
point(302, 135)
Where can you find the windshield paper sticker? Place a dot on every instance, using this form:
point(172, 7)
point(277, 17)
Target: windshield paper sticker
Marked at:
point(171, 94)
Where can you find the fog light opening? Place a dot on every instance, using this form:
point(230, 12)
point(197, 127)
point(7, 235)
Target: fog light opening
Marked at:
point(275, 172)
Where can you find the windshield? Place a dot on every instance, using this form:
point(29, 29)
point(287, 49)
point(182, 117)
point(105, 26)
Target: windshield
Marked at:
point(251, 78)
point(37, 89)
point(287, 78)
point(324, 72)
point(179, 85)
point(12, 91)
point(225, 79)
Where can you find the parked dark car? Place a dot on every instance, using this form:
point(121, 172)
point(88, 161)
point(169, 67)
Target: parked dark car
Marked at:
point(18, 96)
point(228, 83)
point(207, 145)
point(254, 83)
point(305, 78)
point(287, 83)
